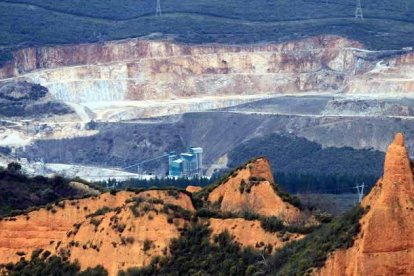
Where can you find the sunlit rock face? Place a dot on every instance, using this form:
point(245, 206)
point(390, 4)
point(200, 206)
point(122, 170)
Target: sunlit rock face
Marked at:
point(73, 228)
point(138, 69)
point(141, 70)
point(385, 244)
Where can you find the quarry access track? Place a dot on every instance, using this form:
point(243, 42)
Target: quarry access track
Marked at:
point(134, 121)
point(308, 115)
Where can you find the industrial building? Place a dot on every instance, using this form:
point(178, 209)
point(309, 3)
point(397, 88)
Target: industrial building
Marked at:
point(187, 164)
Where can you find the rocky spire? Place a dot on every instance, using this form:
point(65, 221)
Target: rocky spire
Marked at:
point(398, 176)
point(385, 244)
point(396, 160)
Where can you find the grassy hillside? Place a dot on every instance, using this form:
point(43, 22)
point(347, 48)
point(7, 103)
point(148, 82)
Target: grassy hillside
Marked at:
point(388, 24)
point(303, 166)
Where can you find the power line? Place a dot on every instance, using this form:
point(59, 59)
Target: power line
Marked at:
point(145, 161)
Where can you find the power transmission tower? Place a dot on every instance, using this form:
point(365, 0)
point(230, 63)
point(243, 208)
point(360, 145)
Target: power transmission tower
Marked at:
point(358, 11)
point(360, 190)
point(158, 11)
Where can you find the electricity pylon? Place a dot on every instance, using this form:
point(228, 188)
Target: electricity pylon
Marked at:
point(358, 11)
point(158, 11)
point(360, 189)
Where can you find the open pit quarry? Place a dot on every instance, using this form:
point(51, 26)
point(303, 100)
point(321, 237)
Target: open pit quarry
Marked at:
point(318, 88)
point(141, 78)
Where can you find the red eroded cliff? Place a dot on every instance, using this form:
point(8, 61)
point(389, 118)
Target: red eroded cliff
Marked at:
point(250, 189)
point(385, 244)
point(108, 230)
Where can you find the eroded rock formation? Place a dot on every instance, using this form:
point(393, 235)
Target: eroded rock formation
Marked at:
point(251, 189)
point(116, 231)
point(385, 244)
point(193, 189)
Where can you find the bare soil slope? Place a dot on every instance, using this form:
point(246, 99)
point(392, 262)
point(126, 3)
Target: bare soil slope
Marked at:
point(250, 233)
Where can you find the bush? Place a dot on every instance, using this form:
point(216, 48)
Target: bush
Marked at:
point(130, 240)
point(100, 212)
point(96, 222)
point(173, 193)
point(272, 224)
point(51, 265)
point(120, 227)
point(156, 201)
point(286, 197)
point(14, 167)
point(147, 245)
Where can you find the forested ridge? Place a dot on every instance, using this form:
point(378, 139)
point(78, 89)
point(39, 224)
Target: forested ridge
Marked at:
point(300, 165)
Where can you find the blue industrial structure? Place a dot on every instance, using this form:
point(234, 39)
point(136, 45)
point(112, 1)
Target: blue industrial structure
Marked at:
point(187, 164)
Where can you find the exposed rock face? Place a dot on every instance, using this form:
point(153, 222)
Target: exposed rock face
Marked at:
point(251, 189)
point(388, 76)
point(385, 245)
point(114, 239)
point(250, 233)
point(193, 189)
point(142, 70)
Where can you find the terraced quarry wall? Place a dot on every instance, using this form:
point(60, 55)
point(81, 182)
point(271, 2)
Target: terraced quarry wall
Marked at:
point(143, 70)
point(135, 70)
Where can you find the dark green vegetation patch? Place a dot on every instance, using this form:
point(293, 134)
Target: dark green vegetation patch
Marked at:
point(298, 257)
point(181, 182)
point(41, 263)
point(304, 166)
point(387, 25)
point(194, 254)
point(21, 192)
